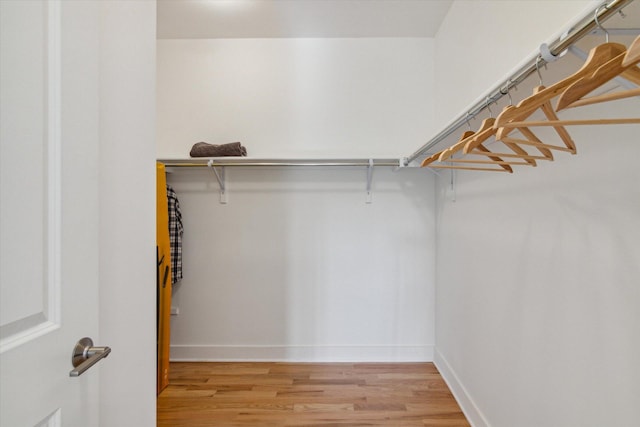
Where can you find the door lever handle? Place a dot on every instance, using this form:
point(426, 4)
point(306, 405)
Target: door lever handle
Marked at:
point(85, 355)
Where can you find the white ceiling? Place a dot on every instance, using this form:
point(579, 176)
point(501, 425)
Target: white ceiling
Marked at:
point(299, 18)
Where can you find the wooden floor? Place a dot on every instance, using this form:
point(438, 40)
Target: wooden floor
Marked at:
point(304, 394)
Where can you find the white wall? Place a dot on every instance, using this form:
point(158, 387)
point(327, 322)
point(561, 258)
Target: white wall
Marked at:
point(537, 273)
point(127, 212)
point(296, 97)
point(296, 266)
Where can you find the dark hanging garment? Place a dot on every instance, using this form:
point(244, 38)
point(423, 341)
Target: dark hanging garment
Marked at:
point(175, 235)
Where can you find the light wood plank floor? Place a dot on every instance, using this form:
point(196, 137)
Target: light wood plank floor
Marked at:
point(307, 394)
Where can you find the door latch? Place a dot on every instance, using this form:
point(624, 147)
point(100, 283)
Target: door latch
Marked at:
point(85, 355)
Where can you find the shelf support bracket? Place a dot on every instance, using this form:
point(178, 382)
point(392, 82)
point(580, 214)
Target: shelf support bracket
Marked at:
point(369, 199)
point(220, 176)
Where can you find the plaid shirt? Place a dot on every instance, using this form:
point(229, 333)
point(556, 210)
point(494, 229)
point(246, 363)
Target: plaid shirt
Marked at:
point(175, 235)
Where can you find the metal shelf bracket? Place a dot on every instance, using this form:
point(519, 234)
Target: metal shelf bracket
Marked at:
point(220, 176)
point(369, 179)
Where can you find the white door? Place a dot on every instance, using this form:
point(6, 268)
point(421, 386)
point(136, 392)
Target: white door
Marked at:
point(48, 211)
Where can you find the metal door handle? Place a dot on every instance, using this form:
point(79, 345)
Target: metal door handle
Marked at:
point(85, 355)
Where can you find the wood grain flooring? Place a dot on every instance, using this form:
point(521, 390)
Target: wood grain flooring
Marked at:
point(307, 394)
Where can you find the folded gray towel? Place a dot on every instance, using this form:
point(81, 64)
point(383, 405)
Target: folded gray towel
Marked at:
point(203, 149)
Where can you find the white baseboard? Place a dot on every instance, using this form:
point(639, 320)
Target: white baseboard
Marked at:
point(191, 353)
point(468, 406)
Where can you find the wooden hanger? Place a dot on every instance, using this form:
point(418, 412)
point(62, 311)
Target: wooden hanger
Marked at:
point(469, 168)
point(475, 144)
point(472, 147)
point(532, 139)
point(554, 123)
point(598, 56)
point(602, 75)
point(512, 144)
point(551, 115)
point(455, 163)
point(474, 141)
point(512, 155)
point(436, 156)
point(485, 131)
point(558, 124)
point(633, 53)
point(606, 97)
point(430, 159)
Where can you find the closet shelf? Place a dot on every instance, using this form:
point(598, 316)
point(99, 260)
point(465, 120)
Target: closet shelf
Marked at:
point(218, 165)
point(297, 161)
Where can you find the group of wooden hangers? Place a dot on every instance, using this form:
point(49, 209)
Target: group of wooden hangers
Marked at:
point(605, 62)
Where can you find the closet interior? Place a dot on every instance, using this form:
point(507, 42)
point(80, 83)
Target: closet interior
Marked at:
point(335, 250)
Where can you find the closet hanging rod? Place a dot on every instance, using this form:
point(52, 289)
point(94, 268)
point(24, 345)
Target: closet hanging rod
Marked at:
point(281, 162)
point(583, 28)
